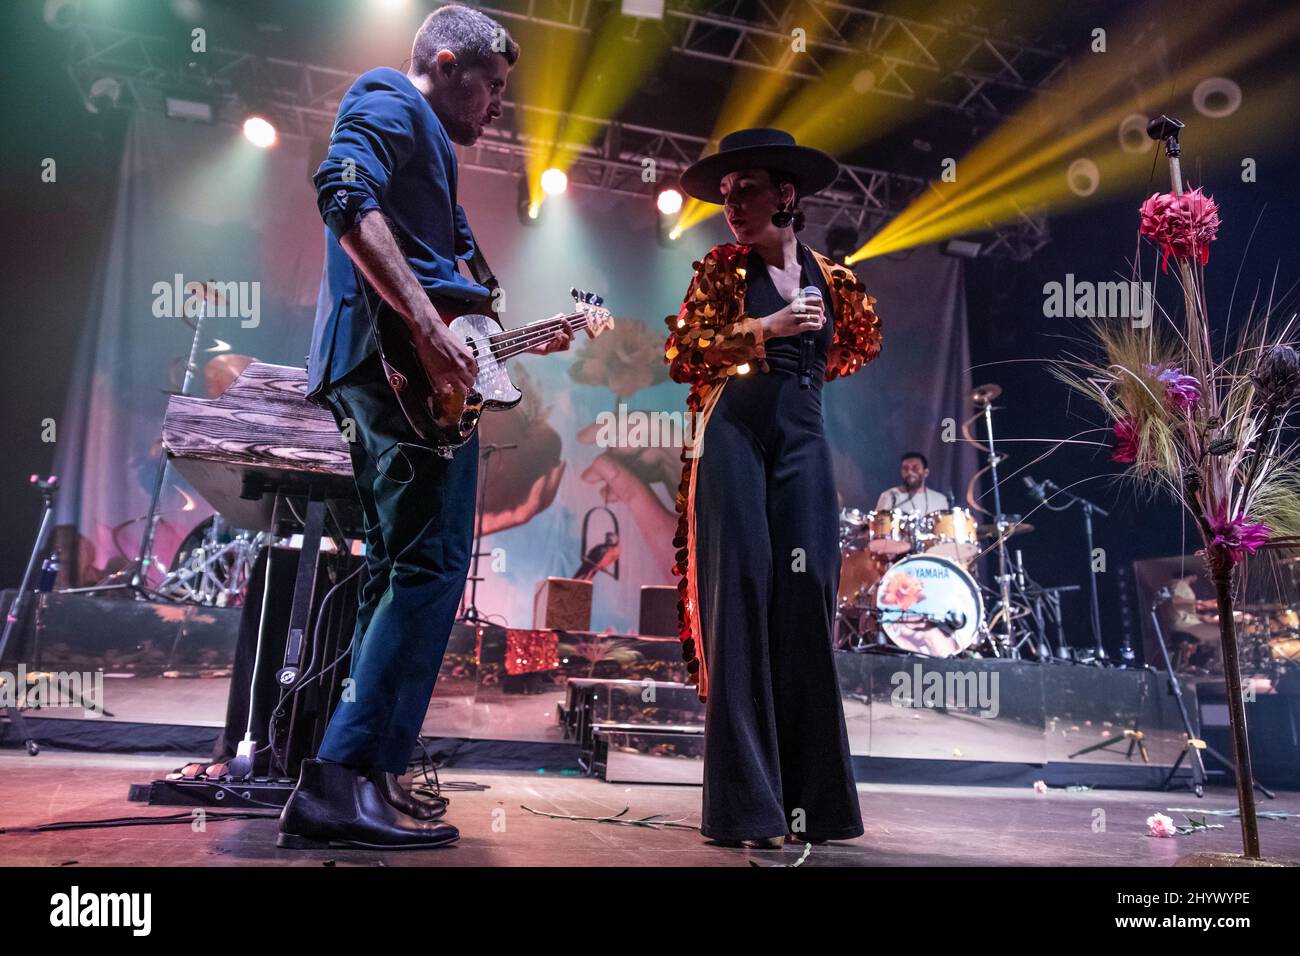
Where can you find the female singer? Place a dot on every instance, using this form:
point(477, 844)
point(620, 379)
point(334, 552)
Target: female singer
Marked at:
point(757, 535)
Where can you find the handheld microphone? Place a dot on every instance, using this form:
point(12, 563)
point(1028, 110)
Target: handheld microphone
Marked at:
point(807, 344)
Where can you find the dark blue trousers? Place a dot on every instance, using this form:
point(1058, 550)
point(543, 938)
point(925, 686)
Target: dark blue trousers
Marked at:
point(419, 526)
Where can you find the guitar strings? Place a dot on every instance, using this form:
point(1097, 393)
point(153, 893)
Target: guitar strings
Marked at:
point(518, 341)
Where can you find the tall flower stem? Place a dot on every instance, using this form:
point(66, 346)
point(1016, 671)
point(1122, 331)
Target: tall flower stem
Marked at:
point(1221, 570)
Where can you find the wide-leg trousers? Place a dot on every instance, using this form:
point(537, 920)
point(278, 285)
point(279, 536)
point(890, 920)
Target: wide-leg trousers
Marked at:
point(776, 754)
point(419, 521)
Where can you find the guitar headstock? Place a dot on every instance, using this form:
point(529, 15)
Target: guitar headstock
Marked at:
point(592, 306)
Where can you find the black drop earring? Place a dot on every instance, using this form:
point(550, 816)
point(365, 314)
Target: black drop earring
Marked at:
point(782, 218)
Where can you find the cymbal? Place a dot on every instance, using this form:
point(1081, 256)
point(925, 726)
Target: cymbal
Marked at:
point(1013, 528)
point(983, 394)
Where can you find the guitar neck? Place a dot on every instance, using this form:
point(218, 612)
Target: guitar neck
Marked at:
point(513, 342)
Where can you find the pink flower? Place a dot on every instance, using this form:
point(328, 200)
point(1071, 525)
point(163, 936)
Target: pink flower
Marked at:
point(1183, 226)
point(1040, 786)
point(1160, 825)
point(1126, 449)
point(1240, 536)
point(1182, 392)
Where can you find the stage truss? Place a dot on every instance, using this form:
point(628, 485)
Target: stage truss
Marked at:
point(123, 69)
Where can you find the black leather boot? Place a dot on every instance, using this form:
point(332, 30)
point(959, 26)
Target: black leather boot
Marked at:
point(336, 806)
point(432, 808)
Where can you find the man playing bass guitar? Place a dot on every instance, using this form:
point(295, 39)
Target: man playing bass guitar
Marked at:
point(387, 193)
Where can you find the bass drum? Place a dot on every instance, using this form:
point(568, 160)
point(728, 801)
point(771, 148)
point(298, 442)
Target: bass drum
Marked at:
point(929, 605)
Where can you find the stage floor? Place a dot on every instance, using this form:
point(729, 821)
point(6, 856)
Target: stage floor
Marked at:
point(906, 825)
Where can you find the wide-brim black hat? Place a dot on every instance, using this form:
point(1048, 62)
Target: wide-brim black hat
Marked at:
point(771, 149)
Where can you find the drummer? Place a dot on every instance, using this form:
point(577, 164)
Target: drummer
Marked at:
point(912, 496)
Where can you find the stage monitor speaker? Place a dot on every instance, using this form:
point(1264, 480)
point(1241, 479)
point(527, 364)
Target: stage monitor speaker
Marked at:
point(658, 611)
point(562, 604)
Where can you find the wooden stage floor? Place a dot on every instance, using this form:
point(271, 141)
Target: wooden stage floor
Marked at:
point(906, 825)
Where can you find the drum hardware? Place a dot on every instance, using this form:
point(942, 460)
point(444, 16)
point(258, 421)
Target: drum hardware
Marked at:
point(1040, 492)
point(139, 583)
point(983, 396)
point(214, 569)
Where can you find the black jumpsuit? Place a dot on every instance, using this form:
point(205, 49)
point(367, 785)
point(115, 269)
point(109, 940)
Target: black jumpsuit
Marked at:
point(776, 750)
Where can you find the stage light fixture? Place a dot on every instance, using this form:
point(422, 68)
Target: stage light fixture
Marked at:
point(105, 94)
point(1133, 136)
point(554, 181)
point(183, 108)
point(643, 9)
point(841, 241)
point(962, 248)
point(259, 132)
point(669, 201)
point(1216, 97)
point(1083, 177)
point(529, 212)
point(61, 14)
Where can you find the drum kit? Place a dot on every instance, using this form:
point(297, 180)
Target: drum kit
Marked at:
point(910, 581)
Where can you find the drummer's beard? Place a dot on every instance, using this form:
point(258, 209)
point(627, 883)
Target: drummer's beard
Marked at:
point(912, 482)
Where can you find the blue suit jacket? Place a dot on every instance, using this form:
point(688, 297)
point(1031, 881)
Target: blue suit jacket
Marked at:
point(388, 151)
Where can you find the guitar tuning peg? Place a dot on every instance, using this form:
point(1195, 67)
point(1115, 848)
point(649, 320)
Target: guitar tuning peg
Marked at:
point(597, 301)
point(575, 293)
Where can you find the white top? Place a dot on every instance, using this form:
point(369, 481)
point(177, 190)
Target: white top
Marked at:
point(923, 502)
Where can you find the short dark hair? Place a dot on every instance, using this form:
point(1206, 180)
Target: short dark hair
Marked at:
point(473, 36)
point(914, 454)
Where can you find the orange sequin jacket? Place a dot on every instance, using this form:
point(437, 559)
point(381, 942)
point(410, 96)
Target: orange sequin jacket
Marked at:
point(711, 339)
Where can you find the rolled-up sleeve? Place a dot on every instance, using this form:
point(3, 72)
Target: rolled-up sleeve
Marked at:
point(373, 137)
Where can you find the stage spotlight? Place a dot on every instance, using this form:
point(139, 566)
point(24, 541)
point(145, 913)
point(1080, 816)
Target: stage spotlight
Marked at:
point(841, 242)
point(669, 201)
point(105, 94)
point(529, 212)
point(864, 81)
point(61, 14)
point(643, 9)
point(1216, 97)
point(554, 181)
point(1083, 177)
point(259, 132)
point(1133, 136)
point(962, 248)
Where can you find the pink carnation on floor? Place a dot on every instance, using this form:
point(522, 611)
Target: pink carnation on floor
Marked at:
point(1160, 825)
point(1183, 226)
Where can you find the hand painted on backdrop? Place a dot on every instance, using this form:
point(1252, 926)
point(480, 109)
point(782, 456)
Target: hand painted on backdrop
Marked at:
point(626, 475)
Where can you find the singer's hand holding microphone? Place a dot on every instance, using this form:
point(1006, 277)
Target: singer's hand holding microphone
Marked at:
point(807, 313)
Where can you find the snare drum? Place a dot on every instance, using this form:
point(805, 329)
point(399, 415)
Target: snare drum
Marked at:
point(891, 533)
point(952, 534)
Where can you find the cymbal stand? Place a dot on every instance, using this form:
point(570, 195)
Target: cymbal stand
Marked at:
point(139, 583)
point(1005, 642)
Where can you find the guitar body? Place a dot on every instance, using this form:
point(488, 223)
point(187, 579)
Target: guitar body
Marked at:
point(445, 415)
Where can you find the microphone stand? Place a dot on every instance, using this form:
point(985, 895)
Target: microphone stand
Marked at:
point(471, 611)
point(1089, 508)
